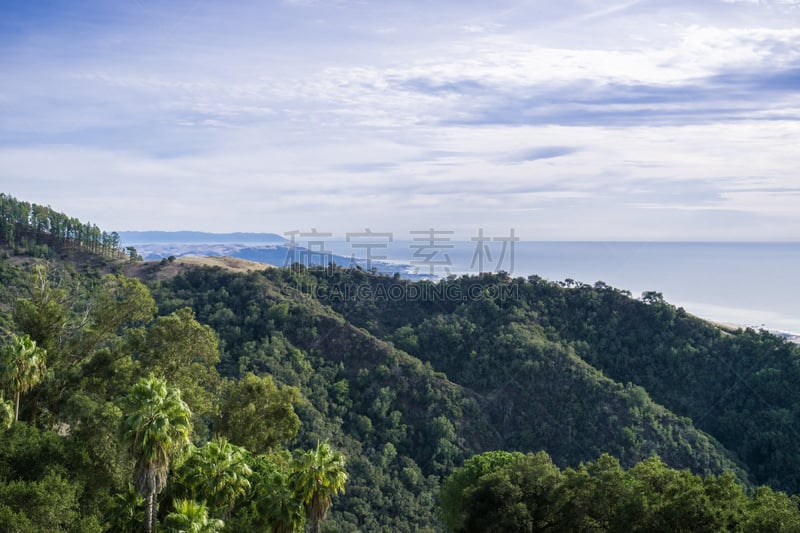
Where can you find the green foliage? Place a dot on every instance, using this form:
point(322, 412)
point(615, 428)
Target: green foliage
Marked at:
point(358, 414)
point(452, 510)
point(218, 473)
point(466, 385)
point(737, 387)
point(191, 517)
point(318, 475)
point(272, 505)
point(512, 493)
point(770, 511)
point(6, 412)
point(90, 356)
point(22, 366)
point(257, 414)
point(44, 506)
point(119, 301)
point(42, 313)
point(505, 492)
point(125, 513)
point(36, 228)
point(182, 351)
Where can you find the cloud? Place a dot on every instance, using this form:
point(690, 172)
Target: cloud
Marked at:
point(607, 11)
point(729, 96)
point(463, 87)
point(580, 119)
point(367, 167)
point(539, 153)
point(787, 81)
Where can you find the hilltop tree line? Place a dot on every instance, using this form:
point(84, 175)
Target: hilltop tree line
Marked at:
point(42, 231)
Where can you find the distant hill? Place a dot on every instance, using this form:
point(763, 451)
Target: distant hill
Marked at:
point(270, 254)
point(166, 269)
point(197, 237)
point(275, 254)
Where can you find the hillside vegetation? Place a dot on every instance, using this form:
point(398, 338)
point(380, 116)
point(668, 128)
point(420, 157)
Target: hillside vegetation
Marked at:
point(580, 407)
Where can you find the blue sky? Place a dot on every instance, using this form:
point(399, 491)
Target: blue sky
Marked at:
point(573, 120)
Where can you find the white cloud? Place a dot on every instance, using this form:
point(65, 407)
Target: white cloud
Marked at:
point(374, 119)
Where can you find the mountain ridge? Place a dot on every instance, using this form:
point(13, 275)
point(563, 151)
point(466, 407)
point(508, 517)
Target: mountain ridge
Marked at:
point(197, 237)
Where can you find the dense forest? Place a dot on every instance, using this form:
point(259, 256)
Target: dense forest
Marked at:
point(341, 400)
point(40, 231)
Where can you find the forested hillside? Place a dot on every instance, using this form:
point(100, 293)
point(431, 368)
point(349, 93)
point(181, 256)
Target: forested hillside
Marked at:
point(43, 232)
point(737, 387)
point(257, 381)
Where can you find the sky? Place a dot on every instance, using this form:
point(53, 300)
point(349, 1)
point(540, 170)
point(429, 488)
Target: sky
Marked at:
point(568, 120)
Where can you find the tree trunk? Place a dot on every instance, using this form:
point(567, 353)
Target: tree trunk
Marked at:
point(16, 408)
point(149, 512)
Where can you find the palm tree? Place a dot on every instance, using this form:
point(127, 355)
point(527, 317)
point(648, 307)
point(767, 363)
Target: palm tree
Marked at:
point(156, 425)
point(316, 476)
point(191, 517)
point(218, 473)
point(22, 366)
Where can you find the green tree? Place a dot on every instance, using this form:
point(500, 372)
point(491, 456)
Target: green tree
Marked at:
point(43, 506)
point(674, 500)
point(184, 352)
point(43, 313)
point(282, 508)
point(316, 476)
point(156, 424)
point(520, 496)
point(118, 303)
point(599, 496)
point(191, 517)
point(452, 511)
point(257, 414)
point(271, 505)
point(125, 513)
point(770, 511)
point(218, 473)
point(6, 412)
point(22, 366)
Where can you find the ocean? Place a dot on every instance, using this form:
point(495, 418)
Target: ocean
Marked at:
point(750, 284)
